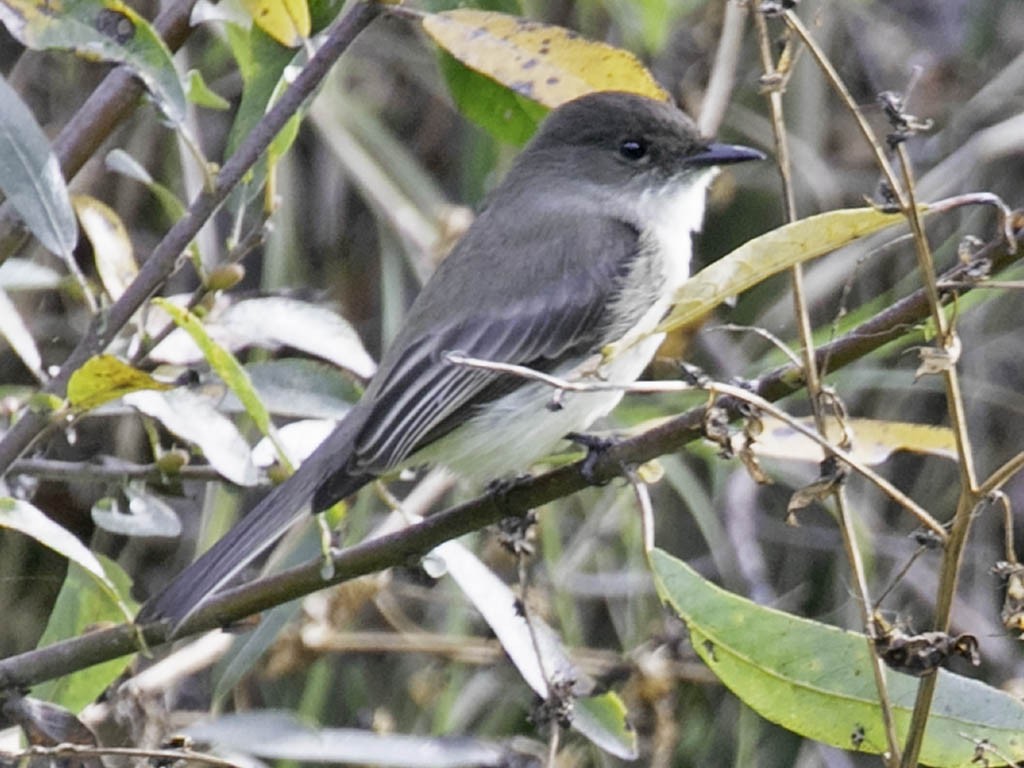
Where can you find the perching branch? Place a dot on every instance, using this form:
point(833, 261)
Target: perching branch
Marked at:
point(405, 546)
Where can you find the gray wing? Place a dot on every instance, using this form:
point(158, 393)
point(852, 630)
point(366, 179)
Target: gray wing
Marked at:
point(560, 311)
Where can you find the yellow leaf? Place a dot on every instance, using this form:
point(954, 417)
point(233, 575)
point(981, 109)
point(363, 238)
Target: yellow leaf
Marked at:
point(112, 249)
point(104, 378)
point(287, 21)
point(770, 253)
point(871, 441)
point(548, 64)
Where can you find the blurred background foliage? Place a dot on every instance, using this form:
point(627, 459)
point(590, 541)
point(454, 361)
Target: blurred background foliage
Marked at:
point(341, 236)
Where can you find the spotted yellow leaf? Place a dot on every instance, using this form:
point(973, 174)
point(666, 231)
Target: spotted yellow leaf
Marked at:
point(548, 64)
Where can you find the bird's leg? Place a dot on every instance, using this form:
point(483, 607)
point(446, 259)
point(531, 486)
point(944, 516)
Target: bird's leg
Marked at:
point(596, 447)
point(513, 529)
point(514, 533)
point(504, 485)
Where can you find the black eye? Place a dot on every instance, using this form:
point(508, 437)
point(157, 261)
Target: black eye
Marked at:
point(633, 149)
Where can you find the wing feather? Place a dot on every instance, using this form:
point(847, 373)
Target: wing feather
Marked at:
point(561, 312)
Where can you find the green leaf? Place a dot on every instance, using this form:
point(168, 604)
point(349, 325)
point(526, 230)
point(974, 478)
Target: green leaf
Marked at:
point(30, 520)
point(227, 367)
point(536, 650)
point(500, 111)
point(871, 441)
point(261, 61)
point(272, 322)
point(30, 177)
point(121, 162)
point(199, 93)
point(605, 721)
point(147, 515)
point(301, 388)
point(80, 606)
point(792, 671)
point(107, 30)
point(282, 736)
point(194, 418)
point(24, 275)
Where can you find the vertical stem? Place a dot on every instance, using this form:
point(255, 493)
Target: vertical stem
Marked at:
point(953, 554)
point(814, 388)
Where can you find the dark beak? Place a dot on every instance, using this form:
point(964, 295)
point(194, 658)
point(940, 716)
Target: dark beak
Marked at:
point(723, 154)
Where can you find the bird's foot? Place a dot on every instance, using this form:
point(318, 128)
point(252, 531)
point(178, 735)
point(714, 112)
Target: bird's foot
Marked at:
point(596, 448)
point(503, 486)
point(515, 533)
point(514, 528)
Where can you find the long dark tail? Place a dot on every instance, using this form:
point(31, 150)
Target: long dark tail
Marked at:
point(259, 529)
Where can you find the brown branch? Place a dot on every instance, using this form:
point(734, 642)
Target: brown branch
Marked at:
point(412, 543)
point(108, 471)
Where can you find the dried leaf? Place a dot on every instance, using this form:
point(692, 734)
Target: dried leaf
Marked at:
point(112, 249)
point(1012, 613)
point(921, 654)
point(938, 360)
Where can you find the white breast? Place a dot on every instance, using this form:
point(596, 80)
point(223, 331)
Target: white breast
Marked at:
point(669, 218)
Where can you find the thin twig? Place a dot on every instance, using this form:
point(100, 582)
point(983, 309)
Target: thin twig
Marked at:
point(111, 471)
point(814, 389)
point(1002, 475)
point(949, 572)
point(398, 548)
point(83, 750)
point(840, 88)
point(765, 334)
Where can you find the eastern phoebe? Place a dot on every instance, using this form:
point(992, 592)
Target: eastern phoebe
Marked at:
point(585, 241)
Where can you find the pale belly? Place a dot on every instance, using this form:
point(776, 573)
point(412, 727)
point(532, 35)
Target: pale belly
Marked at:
point(521, 428)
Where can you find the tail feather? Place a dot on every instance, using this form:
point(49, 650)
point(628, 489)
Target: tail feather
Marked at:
point(257, 531)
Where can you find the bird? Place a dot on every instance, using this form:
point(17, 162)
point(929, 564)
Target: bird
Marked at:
point(583, 243)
